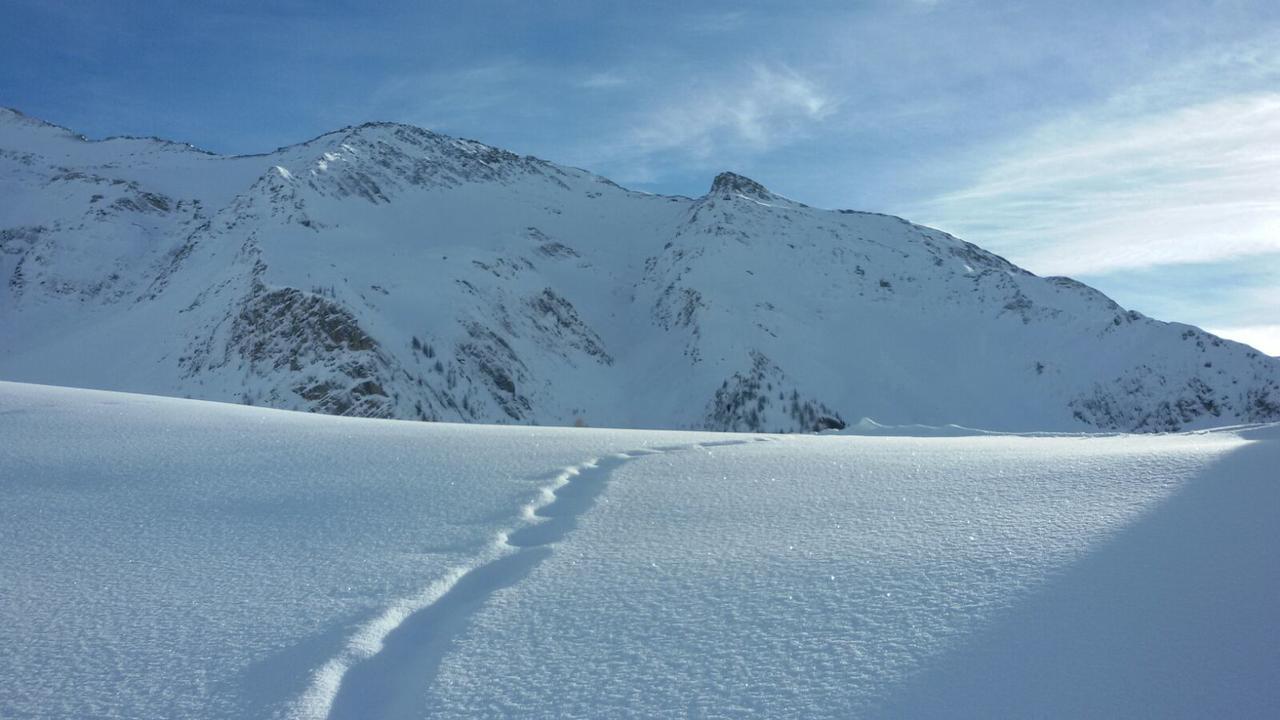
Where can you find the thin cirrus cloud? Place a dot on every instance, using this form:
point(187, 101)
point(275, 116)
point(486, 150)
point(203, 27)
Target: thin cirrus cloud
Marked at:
point(770, 107)
point(1166, 196)
point(713, 120)
point(1192, 185)
point(615, 120)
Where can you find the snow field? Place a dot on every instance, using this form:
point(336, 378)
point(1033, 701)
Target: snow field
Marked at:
point(811, 577)
point(169, 558)
point(174, 558)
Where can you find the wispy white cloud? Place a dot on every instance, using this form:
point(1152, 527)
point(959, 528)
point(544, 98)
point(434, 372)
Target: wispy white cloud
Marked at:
point(760, 107)
point(1170, 171)
point(714, 120)
point(1197, 184)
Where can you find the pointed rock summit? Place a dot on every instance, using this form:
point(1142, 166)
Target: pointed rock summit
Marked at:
point(733, 183)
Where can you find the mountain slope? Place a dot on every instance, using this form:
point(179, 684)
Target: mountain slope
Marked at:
point(384, 270)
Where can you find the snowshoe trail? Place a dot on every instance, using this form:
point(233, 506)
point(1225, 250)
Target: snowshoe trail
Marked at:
point(388, 666)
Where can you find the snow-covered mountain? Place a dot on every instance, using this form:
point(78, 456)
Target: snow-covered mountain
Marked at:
point(388, 271)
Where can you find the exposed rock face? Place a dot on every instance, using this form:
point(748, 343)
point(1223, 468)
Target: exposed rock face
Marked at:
point(727, 183)
point(388, 271)
point(763, 400)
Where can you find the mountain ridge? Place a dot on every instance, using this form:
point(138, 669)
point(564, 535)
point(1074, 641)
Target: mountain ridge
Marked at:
point(391, 271)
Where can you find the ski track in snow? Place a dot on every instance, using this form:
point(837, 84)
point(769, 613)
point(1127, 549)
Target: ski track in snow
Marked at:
point(389, 662)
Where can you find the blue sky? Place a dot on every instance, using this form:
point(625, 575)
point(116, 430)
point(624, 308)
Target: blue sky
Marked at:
point(1134, 145)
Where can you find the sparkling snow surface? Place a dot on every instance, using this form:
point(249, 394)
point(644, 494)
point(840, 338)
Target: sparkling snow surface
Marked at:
point(172, 558)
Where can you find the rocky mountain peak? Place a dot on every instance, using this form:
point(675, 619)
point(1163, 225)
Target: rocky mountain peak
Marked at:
point(733, 183)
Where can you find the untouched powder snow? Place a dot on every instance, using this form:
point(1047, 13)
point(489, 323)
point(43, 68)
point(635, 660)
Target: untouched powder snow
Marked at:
point(175, 558)
point(813, 577)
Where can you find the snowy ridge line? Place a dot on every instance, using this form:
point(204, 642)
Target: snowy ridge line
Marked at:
point(388, 661)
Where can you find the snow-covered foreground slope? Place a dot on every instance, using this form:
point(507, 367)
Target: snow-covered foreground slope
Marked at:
point(173, 558)
point(388, 271)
